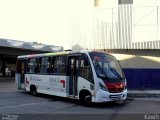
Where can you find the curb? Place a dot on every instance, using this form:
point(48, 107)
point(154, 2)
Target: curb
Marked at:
point(144, 94)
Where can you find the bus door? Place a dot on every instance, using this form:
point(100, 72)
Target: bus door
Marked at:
point(21, 69)
point(73, 66)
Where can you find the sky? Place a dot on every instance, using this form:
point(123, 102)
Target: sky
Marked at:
point(65, 22)
point(44, 21)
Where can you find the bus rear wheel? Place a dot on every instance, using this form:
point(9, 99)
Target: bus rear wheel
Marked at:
point(33, 90)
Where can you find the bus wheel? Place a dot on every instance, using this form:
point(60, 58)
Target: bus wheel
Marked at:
point(33, 90)
point(85, 98)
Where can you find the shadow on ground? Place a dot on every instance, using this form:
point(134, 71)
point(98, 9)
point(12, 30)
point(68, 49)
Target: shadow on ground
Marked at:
point(76, 102)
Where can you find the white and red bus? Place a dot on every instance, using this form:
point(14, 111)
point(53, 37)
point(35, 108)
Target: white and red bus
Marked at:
point(89, 76)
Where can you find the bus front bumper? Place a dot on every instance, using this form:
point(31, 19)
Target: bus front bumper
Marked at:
point(105, 96)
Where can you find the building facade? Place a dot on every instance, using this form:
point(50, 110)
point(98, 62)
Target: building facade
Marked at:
point(128, 29)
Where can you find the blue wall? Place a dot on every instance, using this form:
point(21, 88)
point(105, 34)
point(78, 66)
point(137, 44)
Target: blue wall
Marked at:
point(142, 79)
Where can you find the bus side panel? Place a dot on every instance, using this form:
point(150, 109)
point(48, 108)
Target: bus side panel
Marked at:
point(47, 84)
point(84, 84)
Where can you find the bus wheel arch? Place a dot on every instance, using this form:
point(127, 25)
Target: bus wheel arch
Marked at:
point(33, 90)
point(85, 97)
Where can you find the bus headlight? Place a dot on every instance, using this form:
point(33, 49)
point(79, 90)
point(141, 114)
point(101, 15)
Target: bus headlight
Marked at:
point(102, 87)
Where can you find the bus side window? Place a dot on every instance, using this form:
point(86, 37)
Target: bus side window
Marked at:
point(53, 69)
point(59, 65)
point(33, 65)
point(85, 68)
point(45, 65)
point(48, 65)
point(37, 66)
point(30, 66)
point(20, 68)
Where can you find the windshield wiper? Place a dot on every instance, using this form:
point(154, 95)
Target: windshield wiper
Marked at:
point(116, 73)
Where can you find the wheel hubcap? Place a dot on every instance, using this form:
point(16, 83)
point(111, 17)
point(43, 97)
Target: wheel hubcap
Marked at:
point(88, 98)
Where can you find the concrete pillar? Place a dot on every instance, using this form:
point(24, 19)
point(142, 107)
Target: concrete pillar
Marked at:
point(3, 67)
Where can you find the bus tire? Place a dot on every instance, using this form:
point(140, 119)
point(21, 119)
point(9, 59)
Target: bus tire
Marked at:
point(85, 98)
point(33, 90)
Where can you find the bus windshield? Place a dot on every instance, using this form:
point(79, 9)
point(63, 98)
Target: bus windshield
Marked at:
point(106, 66)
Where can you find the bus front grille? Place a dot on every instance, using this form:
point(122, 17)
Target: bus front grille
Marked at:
point(116, 97)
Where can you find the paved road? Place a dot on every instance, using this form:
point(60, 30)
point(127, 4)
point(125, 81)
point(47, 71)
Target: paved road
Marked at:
point(13, 101)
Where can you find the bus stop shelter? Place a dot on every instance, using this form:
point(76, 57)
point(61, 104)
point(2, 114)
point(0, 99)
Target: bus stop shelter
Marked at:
point(10, 49)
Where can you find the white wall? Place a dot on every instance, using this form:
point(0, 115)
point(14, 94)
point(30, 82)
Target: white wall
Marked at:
point(146, 20)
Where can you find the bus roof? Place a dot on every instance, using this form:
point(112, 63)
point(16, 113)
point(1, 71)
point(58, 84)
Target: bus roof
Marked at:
point(56, 53)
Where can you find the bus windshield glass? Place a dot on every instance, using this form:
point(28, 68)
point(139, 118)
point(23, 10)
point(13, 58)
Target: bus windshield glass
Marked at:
point(106, 66)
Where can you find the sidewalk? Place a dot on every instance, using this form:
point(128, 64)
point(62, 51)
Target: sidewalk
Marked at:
point(7, 79)
point(144, 93)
